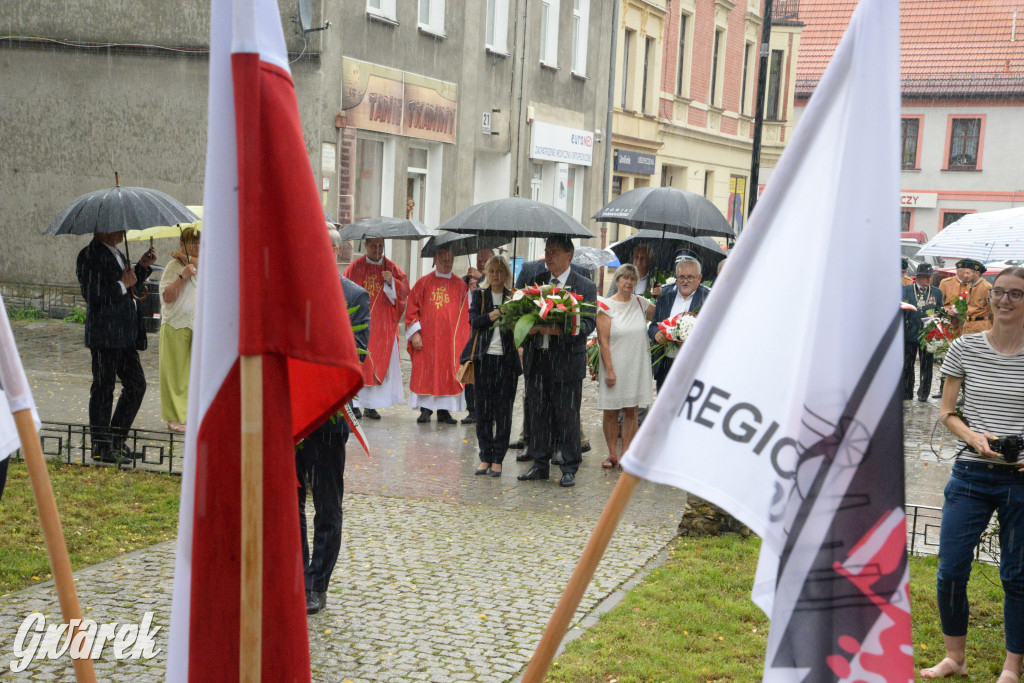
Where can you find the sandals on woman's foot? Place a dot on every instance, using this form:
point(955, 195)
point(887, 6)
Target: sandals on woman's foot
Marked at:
point(176, 427)
point(946, 668)
point(610, 463)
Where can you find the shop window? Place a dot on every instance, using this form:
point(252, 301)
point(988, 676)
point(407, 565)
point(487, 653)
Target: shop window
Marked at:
point(950, 217)
point(431, 16)
point(369, 178)
point(580, 29)
point(910, 130)
point(496, 29)
point(964, 144)
point(771, 105)
point(549, 33)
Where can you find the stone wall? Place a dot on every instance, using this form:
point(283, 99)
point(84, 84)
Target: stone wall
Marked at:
point(57, 301)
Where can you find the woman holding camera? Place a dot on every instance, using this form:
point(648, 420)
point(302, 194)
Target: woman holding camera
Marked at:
point(987, 475)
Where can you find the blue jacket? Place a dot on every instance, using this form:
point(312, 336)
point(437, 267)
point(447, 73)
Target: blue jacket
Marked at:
point(569, 351)
point(663, 308)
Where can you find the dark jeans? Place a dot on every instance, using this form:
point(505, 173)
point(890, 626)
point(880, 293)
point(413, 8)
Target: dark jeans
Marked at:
point(471, 398)
point(321, 463)
point(910, 353)
point(974, 491)
point(554, 415)
point(495, 396)
point(109, 365)
point(662, 372)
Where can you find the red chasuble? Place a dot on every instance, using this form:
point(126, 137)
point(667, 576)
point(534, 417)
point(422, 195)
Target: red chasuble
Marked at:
point(439, 305)
point(384, 315)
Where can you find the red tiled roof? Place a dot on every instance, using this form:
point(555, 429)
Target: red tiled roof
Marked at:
point(949, 47)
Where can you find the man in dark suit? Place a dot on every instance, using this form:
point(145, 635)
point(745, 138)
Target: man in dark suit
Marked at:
point(320, 465)
point(527, 274)
point(115, 335)
point(925, 298)
point(687, 295)
point(555, 364)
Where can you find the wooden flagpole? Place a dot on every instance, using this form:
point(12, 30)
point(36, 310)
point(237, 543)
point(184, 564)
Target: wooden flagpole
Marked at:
point(53, 534)
point(250, 652)
point(580, 579)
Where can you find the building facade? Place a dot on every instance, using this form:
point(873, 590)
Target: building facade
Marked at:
point(962, 81)
point(439, 102)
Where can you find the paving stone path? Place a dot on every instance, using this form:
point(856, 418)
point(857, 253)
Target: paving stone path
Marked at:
point(424, 590)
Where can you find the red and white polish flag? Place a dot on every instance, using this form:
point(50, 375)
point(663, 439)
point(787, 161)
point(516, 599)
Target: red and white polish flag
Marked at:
point(269, 287)
point(783, 407)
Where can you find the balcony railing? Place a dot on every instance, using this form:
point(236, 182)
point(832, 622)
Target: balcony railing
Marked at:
point(785, 10)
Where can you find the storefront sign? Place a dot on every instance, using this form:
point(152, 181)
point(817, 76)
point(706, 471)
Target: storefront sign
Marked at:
point(918, 200)
point(629, 161)
point(549, 142)
point(387, 100)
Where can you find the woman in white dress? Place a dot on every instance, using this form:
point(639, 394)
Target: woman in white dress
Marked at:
point(625, 378)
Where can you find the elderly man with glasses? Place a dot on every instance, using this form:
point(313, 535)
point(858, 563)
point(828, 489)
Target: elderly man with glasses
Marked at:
point(687, 295)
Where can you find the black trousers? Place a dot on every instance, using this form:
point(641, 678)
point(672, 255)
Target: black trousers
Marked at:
point(320, 464)
point(554, 414)
point(910, 352)
point(495, 396)
point(471, 399)
point(663, 367)
point(109, 365)
point(3, 475)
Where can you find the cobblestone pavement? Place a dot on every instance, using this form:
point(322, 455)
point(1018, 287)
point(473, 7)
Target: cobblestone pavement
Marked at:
point(443, 575)
point(423, 590)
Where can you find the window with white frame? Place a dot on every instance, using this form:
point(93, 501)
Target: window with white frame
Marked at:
point(496, 29)
point(381, 8)
point(683, 56)
point(717, 68)
point(549, 33)
point(580, 24)
point(431, 16)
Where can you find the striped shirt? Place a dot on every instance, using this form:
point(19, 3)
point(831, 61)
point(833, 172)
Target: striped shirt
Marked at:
point(993, 388)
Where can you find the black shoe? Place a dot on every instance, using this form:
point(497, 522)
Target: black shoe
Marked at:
point(937, 395)
point(568, 479)
point(469, 419)
point(585, 447)
point(493, 473)
point(922, 399)
point(372, 414)
point(534, 474)
point(315, 601)
point(359, 415)
point(485, 470)
point(517, 445)
point(556, 459)
point(524, 457)
point(444, 417)
point(424, 416)
point(99, 451)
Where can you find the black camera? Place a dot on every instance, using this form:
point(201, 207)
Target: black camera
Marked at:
point(1008, 446)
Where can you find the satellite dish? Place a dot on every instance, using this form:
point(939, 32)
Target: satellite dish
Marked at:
point(305, 15)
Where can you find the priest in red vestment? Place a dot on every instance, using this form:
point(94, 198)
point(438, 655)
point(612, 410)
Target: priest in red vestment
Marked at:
point(388, 287)
point(437, 327)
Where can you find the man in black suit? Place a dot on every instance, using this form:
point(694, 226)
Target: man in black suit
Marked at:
point(925, 298)
point(555, 364)
point(686, 295)
point(320, 465)
point(115, 335)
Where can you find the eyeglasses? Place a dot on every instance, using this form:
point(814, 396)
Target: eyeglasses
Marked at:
point(996, 293)
point(688, 278)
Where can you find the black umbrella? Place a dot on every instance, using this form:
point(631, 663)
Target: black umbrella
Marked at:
point(516, 217)
point(119, 209)
point(664, 250)
point(461, 245)
point(667, 210)
point(384, 227)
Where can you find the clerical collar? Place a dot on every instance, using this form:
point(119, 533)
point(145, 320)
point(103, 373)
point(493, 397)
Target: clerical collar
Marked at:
point(444, 275)
point(563, 277)
point(376, 263)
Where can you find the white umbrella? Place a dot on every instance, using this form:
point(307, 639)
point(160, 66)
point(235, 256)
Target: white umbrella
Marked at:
point(988, 236)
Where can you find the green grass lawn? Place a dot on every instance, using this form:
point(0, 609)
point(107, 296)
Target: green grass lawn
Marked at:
point(691, 619)
point(105, 513)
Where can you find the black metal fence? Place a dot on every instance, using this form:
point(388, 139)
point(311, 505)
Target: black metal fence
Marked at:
point(785, 11)
point(923, 524)
point(159, 450)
